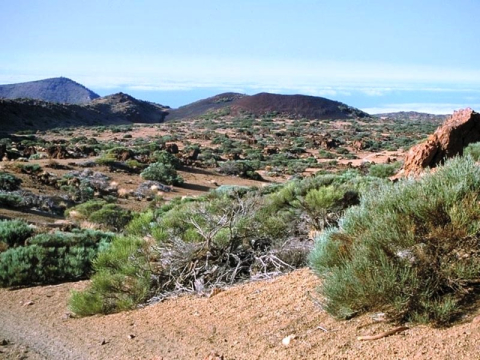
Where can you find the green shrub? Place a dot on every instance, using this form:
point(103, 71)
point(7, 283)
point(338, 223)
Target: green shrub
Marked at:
point(29, 168)
point(10, 200)
point(141, 224)
point(109, 216)
point(164, 173)
point(473, 150)
point(239, 168)
point(14, 232)
point(383, 170)
point(121, 280)
point(9, 182)
point(166, 158)
point(409, 249)
point(50, 258)
point(88, 207)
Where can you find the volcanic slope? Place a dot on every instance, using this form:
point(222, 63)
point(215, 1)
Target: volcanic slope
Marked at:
point(290, 106)
point(114, 109)
point(58, 90)
point(204, 106)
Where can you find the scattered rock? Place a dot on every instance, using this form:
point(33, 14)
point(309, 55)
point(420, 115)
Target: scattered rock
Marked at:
point(214, 356)
point(270, 150)
point(192, 154)
point(171, 148)
point(329, 144)
point(57, 152)
point(287, 340)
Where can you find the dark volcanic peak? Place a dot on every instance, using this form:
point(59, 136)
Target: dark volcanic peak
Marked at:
point(58, 90)
point(292, 106)
point(200, 107)
point(109, 110)
point(297, 106)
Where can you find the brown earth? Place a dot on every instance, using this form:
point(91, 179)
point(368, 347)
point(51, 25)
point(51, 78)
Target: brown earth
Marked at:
point(296, 106)
point(250, 321)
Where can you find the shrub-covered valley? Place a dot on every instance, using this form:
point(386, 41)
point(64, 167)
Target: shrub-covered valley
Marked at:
point(191, 209)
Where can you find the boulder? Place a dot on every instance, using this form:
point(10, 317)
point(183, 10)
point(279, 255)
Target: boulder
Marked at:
point(192, 154)
point(172, 148)
point(57, 152)
point(461, 129)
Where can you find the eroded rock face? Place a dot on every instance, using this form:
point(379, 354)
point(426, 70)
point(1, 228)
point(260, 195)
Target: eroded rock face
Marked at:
point(57, 152)
point(461, 129)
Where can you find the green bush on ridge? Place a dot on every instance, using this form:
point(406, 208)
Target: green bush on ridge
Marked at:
point(409, 249)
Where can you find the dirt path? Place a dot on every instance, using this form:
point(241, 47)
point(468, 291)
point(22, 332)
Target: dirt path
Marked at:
point(243, 322)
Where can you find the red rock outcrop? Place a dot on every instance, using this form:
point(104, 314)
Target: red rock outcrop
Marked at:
point(461, 129)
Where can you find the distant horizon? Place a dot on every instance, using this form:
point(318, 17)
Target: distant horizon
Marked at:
point(376, 56)
point(196, 95)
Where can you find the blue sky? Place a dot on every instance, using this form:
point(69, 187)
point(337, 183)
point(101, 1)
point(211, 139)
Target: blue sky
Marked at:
point(376, 55)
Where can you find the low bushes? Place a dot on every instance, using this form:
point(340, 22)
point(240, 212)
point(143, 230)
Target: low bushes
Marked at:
point(473, 150)
point(122, 279)
point(239, 168)
point(410, 249)
point(229, 235)
point(50, 258)
point(164, 173)
point(9, 182)
point(14, 232)
point(107, 215)
point(384, 170)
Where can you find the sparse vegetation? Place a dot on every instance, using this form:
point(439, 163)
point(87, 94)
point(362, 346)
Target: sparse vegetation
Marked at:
point(9, 182)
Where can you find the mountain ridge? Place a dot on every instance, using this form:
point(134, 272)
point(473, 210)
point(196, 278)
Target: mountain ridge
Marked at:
point(292, 106)
point(57, 90)
point(114, 109)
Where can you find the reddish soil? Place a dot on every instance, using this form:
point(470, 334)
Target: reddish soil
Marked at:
point(243, 322)
point(297, 106)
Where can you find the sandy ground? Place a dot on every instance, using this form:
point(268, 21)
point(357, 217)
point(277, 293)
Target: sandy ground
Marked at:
point(243, 322)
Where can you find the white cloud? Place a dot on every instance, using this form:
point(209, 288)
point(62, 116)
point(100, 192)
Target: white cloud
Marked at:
point(105, 71)
point(431, 108)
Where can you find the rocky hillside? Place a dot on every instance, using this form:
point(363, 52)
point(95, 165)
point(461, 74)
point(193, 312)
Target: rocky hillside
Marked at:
point(133, 110)
point(114, 109)
point(291, 106)
point(58, 90)
point(204, 106)
point(297, 106)
point(449, 140)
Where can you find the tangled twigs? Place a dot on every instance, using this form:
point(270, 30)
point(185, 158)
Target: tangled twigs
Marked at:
point(383, 334)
